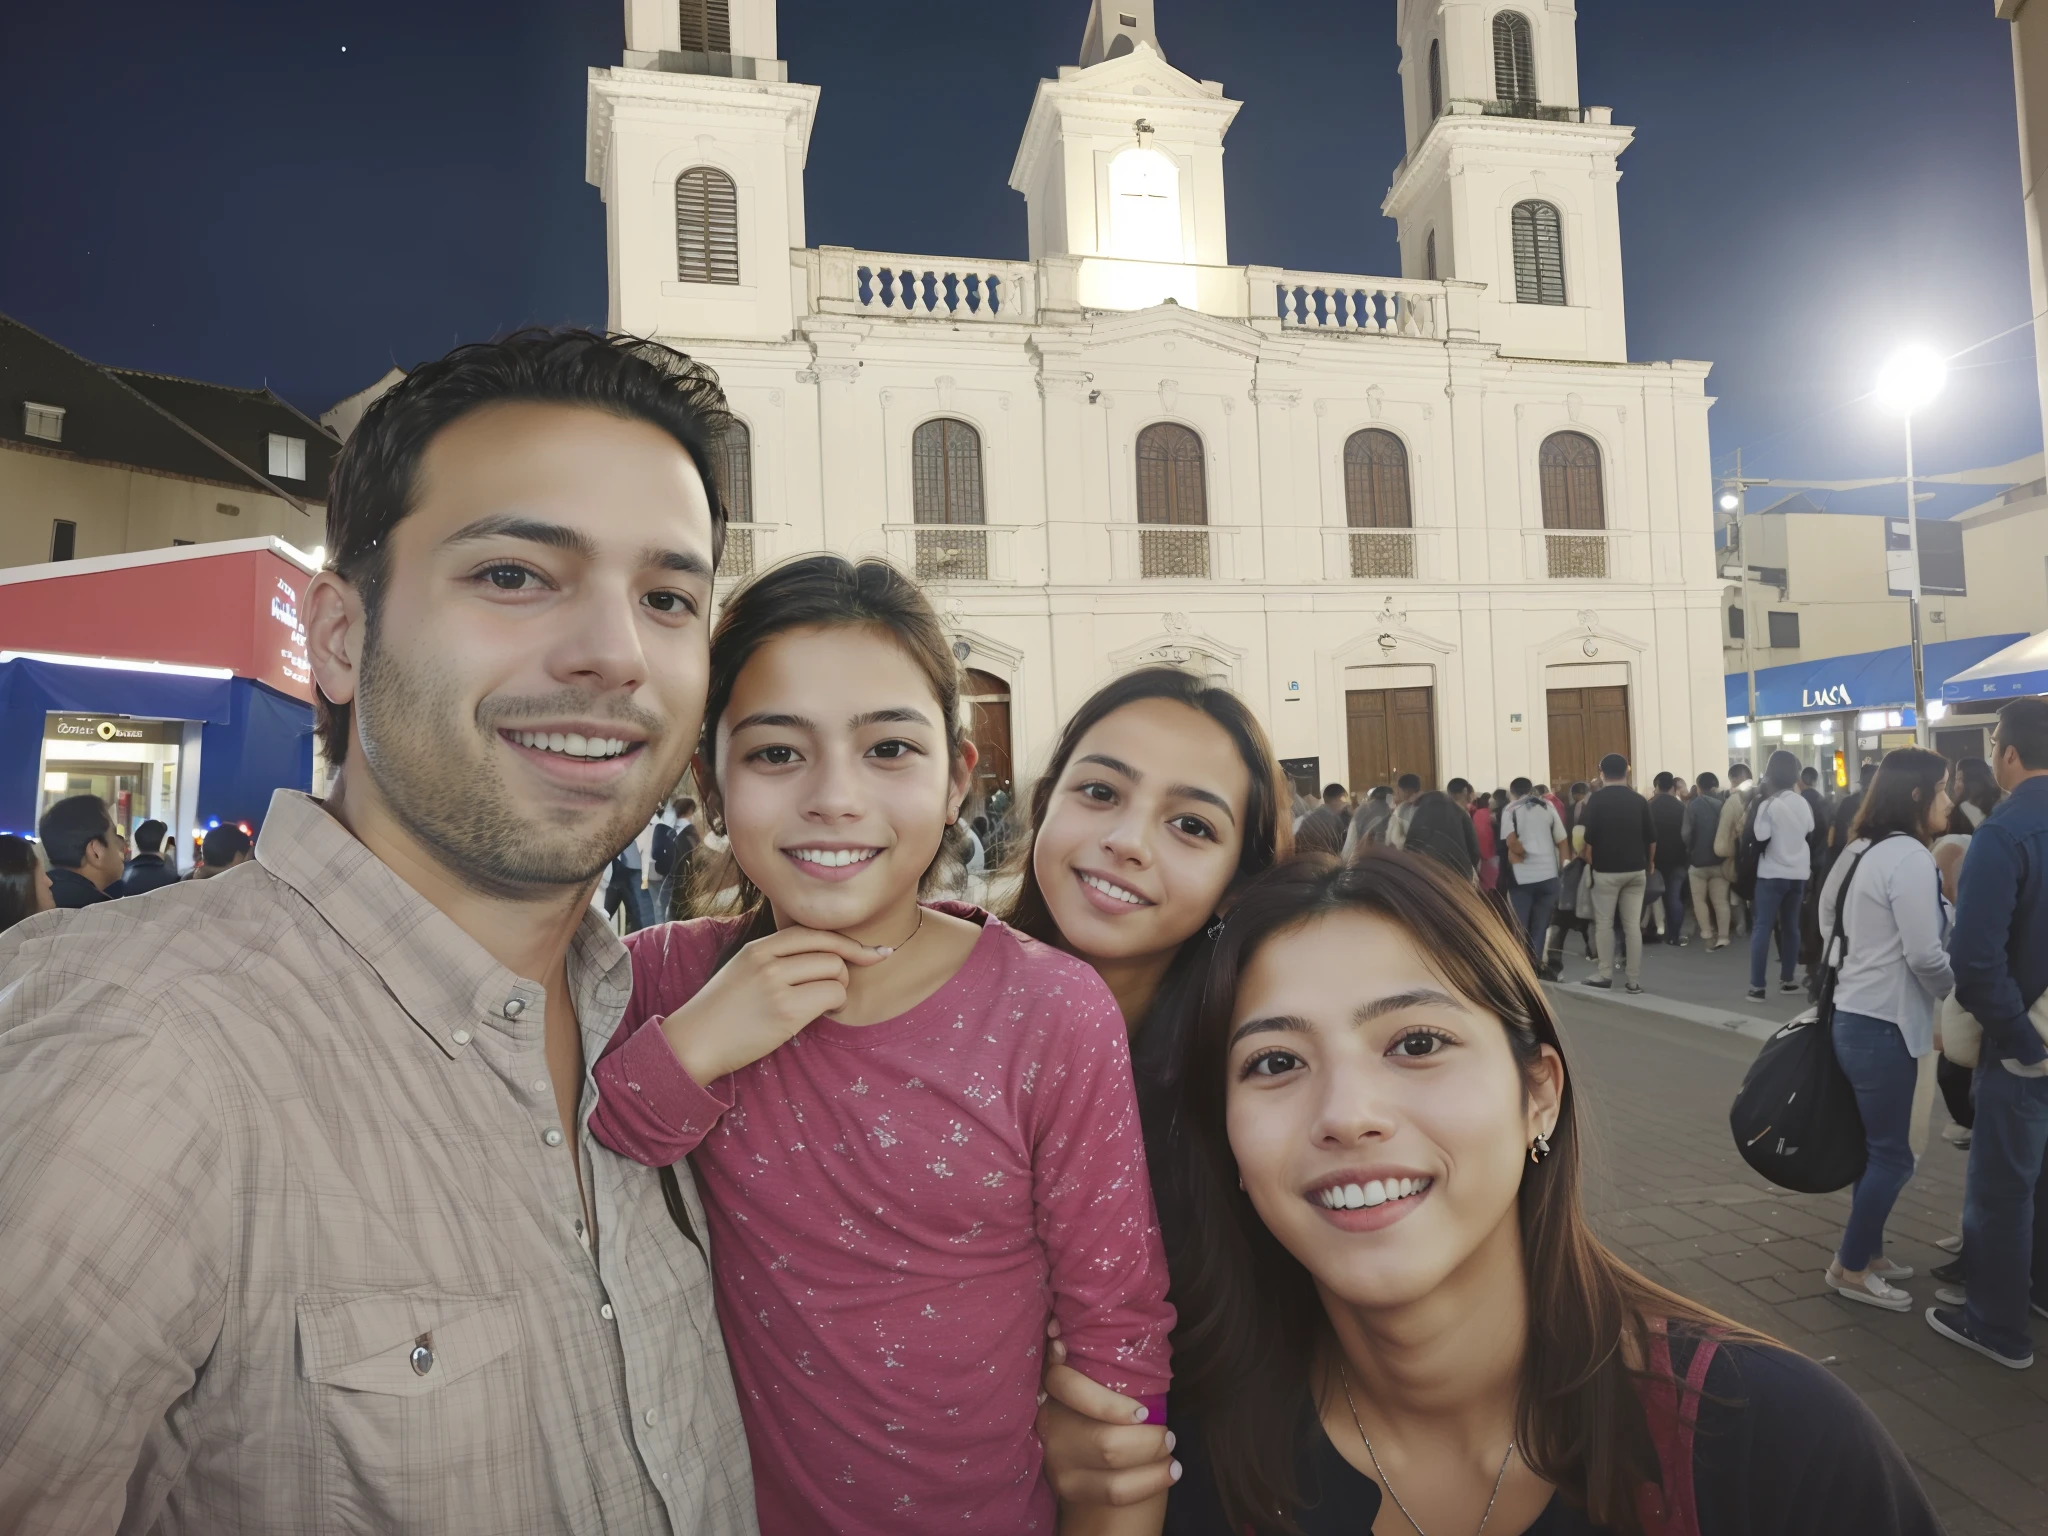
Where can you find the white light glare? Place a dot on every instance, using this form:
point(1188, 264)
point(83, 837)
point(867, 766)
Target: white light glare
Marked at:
point(1730, 501)
point(1912, 379)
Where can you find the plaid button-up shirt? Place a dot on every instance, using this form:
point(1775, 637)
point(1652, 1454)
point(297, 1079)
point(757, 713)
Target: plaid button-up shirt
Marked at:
point(290, 1243)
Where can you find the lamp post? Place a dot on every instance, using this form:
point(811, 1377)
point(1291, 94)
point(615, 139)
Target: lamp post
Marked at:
point(1908, 383)
point(1735, 500)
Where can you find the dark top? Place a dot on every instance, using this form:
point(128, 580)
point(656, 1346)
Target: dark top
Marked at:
point(1845, 816)
point(1322, 831)
point(1782, 1449)
point(1999, 941)
point(1445, 832)
point(68, 888)
point(147, 872)
point(1818, 839)
point(1617, 823)
point(1667, 822)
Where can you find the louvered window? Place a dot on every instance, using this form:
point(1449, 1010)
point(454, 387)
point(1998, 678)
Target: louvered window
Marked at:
point(1436, 80)
point(707, 227)
point(1430, 257)
point(1514, 60)
point(1569, 463)
point(945, 473)
point(1172, 488)
point(1539, 254)
point(707, 26)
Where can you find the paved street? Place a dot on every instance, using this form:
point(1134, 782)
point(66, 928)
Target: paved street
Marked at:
point(1667, 1190)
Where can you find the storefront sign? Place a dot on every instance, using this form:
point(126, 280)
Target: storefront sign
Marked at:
point(1836, 697)
point(113, 728)
point(292, 662)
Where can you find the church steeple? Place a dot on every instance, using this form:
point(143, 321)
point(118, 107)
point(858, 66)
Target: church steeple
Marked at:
point(1115, 27)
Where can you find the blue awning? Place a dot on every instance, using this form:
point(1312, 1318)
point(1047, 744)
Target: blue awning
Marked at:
point(2015, 672)
point(1867, 680)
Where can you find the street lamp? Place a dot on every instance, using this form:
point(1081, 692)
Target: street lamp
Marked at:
point(1908, 383)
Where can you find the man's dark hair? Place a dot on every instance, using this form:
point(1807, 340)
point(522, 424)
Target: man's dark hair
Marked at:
point(221, 846)
point(1809, 777)
point(1520, 787)
point(1664, 782)
point(1866, 772)
point(1409, 783)
point(1378, 792)
point(1708, 780)
point(1334, 791)
point(1737, 772)
point(2023, 726)
point(1580, 787)
point(69, 825)
point(686, 806)
point(376, 475)
point(1458, 786)
point(1614, 766)
point(149, 837)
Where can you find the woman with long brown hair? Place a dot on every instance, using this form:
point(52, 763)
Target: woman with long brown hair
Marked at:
point(1393, 1314)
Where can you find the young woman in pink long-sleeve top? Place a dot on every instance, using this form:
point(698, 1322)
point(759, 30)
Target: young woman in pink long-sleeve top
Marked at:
point(914, 1129)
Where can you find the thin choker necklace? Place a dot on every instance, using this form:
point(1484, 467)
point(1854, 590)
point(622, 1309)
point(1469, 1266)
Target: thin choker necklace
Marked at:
point(887, 950)
point(1386, 1483)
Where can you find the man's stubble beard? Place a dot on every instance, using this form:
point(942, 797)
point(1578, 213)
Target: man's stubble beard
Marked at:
point(459, 807)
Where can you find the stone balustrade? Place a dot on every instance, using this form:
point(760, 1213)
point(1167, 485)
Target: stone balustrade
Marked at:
point(1370, 305)
point(849, 282)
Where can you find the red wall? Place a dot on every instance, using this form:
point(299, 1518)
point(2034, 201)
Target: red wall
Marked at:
point(239, 611)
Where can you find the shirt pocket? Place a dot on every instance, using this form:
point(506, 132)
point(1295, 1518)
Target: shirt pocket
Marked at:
point(423, 1404)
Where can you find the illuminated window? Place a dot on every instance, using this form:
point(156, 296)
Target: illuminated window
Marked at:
point(1144, 206)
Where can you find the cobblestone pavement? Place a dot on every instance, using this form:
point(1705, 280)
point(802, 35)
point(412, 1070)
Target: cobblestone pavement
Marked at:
point(1667, 1190)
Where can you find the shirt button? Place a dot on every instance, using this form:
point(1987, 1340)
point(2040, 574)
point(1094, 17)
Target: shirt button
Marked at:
point(664, 1477)
point(513, 1008)
point(605, 1311)
point(540, 1085)
point(551, 1136)
point(460, 1037)
point(650, 1418)
point(422, 1359)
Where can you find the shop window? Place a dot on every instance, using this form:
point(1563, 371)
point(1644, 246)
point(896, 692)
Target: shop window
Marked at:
point(63, 539)
point(287, 457)
point(1784, 631)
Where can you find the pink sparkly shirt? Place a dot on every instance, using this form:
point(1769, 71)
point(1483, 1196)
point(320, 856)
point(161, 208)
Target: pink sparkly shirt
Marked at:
point(895, 1210)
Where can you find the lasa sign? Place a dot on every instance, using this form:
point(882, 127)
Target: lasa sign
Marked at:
point(1836, 697)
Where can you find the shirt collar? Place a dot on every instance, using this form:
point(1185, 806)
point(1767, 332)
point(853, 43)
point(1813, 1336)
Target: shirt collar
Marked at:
point(444, 980)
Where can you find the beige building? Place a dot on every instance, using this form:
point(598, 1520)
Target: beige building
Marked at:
point(109, 461)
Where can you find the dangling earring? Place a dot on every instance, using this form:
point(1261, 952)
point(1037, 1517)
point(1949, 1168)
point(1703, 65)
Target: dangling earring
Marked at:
point(1539, 1149)
point(1215, 929)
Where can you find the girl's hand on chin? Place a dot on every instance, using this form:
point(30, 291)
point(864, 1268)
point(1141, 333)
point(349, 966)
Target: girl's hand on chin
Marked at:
point(762, 998)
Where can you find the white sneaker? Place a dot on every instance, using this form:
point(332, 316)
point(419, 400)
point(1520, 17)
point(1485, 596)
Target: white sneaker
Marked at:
point(1885, 1269)
point(1950, 1244)
point(1871, 1290)
point(1953, 1296)
point(1956, 1136)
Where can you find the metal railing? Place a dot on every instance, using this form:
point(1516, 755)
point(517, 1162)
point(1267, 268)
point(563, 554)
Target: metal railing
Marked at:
point(1575, 556)
point(940, 552)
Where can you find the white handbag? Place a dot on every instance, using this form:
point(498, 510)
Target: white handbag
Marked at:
point(1962, 1037)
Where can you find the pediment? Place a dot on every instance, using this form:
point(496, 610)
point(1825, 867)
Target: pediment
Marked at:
point(1142, 66)
point(1135, 335)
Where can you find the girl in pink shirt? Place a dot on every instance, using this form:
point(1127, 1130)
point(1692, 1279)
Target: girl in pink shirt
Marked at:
point(914, 1129)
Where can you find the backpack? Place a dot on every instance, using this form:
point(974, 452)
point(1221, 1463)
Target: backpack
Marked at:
point(664, 851)
point(1749, 852)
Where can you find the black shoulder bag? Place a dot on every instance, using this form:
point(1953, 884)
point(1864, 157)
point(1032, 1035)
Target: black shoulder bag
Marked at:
point(1795, 1118)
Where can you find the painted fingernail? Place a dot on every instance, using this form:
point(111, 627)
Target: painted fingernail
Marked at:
point(1174, 1471)
point(1041, 1403)
point(1141, 1414)
point(885, 949)
point(1170, 1441)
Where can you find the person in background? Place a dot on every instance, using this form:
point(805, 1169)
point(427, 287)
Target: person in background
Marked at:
point(1442, 828)
point(1323, 828)
point(1535, 844)
point(1845, 809)
point(1782, 823)
point(1999, 951)
point(625, 886)
point(1480, 809)
point(149, 869)
point(1975, 794)
point(1667, 821)
point(24, 883)
point(1407, 790)
point(1819, 856)
point(84, 849)
point(1728, 838)
point(1707, 873)
point(1621, 847)
point(1892, 975)
point(225, 847)
point(1575, 805)
point(1369, 824)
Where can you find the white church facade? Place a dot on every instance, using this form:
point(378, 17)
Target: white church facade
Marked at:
point(1434, 523)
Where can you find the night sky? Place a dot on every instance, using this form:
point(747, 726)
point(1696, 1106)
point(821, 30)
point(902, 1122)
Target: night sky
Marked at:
point(249, 192)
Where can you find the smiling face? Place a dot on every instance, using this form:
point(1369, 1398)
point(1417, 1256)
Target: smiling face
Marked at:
point(1381, 1122)
point(1143, 833)
point(837, 787)
point(535, 675)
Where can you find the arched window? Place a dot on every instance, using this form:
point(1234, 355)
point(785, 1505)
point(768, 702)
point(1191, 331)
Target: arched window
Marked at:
point(945, 490)
point(1572, 492)
point(1172, 489)
point(1539, 254)
point(1514, 60)
point(1436, 79)
point(707, 227)
point(945, 473)
point(735, 469)
point(1144, 206)
point(707, 26)
point(1429, 257)
point(1376, 498)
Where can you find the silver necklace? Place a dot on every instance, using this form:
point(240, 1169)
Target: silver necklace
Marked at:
point(896, 949)
point(1387, 1483)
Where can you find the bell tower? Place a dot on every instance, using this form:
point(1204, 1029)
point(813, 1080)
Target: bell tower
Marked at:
point(697, 142)
point(1508, 180)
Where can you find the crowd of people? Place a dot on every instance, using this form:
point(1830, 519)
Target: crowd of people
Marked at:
point(80, 858)
point(1217, 1181)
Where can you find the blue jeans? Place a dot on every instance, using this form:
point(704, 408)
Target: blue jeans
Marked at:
point(624, 890)
point(1874, 1058)
point(1534, 903)
point(1777, 906)
point(1674, 903)
point(2005, 1206)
